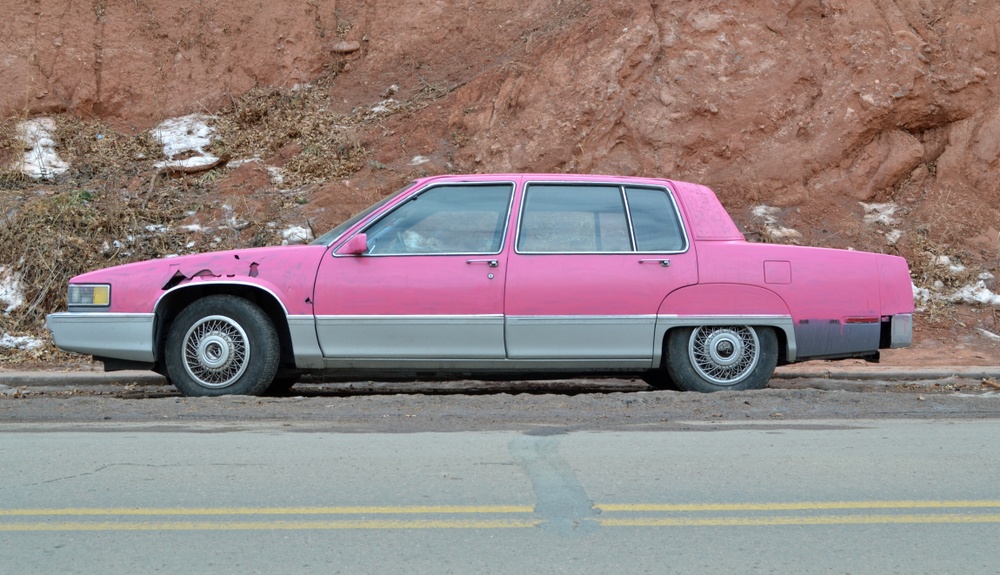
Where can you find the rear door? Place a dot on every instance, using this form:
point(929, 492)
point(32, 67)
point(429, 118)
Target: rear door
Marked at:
point(591, 266)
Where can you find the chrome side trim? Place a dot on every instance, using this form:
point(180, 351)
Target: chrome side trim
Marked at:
point(127, 336)
point(484, 366)
point(305, 342)
point(902, 330)
point(666, 322)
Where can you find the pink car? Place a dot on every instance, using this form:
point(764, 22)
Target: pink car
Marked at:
point(512, 275)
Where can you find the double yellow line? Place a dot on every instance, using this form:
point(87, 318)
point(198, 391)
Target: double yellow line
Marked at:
point(500, 516)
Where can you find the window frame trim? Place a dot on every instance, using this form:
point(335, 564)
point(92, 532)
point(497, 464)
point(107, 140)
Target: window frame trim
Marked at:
point(377, 217)
point(628, 217)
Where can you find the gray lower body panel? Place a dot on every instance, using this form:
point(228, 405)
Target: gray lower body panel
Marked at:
point(127, 336)
point(581, 337)
point(411, 336)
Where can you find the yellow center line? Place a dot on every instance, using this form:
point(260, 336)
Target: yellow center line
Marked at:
point(797, 506)
point(797, 520)
point(352, 510)
point(267, 525)
point(16, 517)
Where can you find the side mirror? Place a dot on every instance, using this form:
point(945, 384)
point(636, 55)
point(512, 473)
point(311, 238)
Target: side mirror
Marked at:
point(356, 246)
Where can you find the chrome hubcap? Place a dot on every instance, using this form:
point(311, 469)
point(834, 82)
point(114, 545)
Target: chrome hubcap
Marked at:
point(216, 351)
point(724, 355)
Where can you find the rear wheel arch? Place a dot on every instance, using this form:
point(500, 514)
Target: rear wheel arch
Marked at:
point(733, 304)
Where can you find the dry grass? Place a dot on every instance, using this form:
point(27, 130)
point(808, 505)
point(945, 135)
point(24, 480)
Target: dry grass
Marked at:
point(266, 120)
point(112, 207)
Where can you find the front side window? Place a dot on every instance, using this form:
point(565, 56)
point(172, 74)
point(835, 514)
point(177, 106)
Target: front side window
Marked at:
point(461, 219)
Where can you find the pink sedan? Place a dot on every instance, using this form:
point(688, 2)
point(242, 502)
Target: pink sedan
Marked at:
point(511, 275)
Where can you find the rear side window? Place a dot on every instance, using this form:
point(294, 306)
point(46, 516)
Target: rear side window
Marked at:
point(575, 218)
point(568, 218)
point(654, 220)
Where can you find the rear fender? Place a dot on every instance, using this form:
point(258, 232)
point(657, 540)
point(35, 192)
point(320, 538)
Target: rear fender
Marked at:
point(724, 304)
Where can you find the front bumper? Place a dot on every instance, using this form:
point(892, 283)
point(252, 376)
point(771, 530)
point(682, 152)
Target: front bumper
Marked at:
point(127, 336)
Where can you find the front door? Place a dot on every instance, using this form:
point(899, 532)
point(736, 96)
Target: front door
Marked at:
point(431, 284)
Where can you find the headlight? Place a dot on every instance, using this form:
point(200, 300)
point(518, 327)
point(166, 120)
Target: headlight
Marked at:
point(89, 294)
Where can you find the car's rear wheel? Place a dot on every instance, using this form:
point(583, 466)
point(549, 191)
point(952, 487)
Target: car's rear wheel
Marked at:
point(222, 345)
point(722, 357)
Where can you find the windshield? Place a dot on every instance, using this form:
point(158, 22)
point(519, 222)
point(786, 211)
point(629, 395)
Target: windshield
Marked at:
point(332, 235)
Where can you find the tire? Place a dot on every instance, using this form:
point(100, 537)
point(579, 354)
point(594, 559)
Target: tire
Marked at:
point(722, 357)
point(222, 345)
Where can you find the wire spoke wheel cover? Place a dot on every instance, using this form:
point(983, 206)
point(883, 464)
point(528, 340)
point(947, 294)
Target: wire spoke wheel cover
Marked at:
point(710, 358)
point(724, 355)
point(221, 345)
point(216, 351)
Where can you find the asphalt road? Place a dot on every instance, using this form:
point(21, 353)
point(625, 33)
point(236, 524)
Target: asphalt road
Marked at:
point(804, 496)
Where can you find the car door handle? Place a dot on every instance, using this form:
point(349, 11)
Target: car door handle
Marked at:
point(664, 263)
point(491, 263)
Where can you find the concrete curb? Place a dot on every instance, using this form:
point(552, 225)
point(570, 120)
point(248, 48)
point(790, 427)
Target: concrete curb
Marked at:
point(894, 373)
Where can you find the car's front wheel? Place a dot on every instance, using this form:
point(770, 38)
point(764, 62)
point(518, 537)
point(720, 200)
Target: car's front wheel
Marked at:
point(722, 357)
point(222, 345)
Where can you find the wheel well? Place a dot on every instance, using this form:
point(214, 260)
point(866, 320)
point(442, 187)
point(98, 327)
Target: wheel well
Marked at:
point(173, 303)
point(780, 333)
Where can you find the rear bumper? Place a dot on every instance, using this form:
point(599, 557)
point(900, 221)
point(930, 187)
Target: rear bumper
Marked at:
point(127, 336)
point(901, 330)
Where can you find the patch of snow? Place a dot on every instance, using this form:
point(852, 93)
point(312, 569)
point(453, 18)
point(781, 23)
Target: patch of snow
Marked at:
point(770, 217)
point(40, 160)
point(10, 289)
point(237, 163)
point(157, 228)
point(988, 334)
point(385, 106)
point(20, 342)
point(277, 175)
point(194, 228)
point(893, 236)
point(185, 135)
point(880, 213)
point(945, 261)
point(975, 293)
point(417, 160)
point(296, 235)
